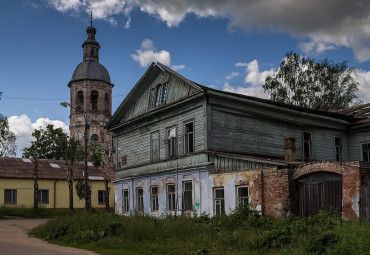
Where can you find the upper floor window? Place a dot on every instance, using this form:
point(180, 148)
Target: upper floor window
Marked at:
point(154, 146)
point(171, 142)
point(338, 148)
point(366, 152)
point(307, 146)
point(158, 95)
point(189, 137)
point(10, 196)
point(80, 100)
point(94, 100)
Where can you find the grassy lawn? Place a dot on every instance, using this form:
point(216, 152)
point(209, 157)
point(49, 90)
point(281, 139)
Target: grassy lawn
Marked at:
point(243, 232)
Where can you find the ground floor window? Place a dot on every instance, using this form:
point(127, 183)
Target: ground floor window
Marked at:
point(101, 197)
point(187, 196)
point(43, 196)
point(154, 197)
point(242, 195)
point(219, 201)
point(139, 200)
point(10, 196)
point(171, 197)
point(125, 201)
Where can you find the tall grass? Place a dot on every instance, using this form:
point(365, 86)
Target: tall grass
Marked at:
point(243, 232)
point(31, 212)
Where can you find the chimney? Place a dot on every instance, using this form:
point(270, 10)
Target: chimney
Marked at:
point(289, 150)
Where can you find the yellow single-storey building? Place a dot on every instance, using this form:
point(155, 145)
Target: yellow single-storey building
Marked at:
point(17, 183)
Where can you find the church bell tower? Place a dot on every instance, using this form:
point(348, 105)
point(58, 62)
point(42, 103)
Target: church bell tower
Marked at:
point(91, 95)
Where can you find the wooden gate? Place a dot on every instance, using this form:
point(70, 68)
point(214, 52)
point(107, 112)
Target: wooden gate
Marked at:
point(365, 203)
point(325, 195)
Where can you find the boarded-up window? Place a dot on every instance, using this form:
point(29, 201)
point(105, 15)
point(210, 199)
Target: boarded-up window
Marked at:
point(187, 196)
point(189, 137)
point(10, 196)
point(139, 200)
point(219, 201)
point(154, 197)
point(124, 160)
point(125, 201)
point(154, 146)
point(171, 197)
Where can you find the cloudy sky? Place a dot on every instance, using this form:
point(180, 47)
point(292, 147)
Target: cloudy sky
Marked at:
point(229, 45)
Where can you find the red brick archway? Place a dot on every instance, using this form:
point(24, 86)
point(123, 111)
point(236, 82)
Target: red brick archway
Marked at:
point(314, 167)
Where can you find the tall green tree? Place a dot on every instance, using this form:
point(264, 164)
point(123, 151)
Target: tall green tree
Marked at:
point(304, 82)
point(7, 139)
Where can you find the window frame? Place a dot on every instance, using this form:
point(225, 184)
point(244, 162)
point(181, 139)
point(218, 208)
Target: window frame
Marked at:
point(139, 199)
point(186, 194)
point(187, 138)
point(41, 195)
point(239, 199)
point(219, 201)
point(309, 142)
point(101, 200)
point(13, 196)
point(171, 148)
point(338, 154)
point(154, 204)
point(125, 201)
point(158, 95)
point(152, 151)
point(367, 151)
point(171, 197)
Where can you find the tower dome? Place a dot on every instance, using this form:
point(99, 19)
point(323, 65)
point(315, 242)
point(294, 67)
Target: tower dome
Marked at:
point(91, 69)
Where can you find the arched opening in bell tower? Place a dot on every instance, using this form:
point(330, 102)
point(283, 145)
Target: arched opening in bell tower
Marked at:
point(80, 100)
point(94, 100)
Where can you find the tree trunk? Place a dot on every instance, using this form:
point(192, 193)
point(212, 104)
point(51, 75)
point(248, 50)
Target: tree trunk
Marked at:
point(70, 182)
point(106, 188)
point(35, 179)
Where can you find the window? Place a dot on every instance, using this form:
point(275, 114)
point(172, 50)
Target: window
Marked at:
point(338, 148)
point(154, 146)
point(154, 198)
point(94, 138)
point(94, 100)
point(366, 152)
point(139, 200)
point(171, 197)
point(307, 144)
point(189, 137)
point(171, 142)
point(125, 201)
point(219, 201)
point(106, 103)
point(80, 100)
point(187, 196)
point(43, 196)
point(242, 195)
point(101, 197)
point(10, 196)
point(157, 95)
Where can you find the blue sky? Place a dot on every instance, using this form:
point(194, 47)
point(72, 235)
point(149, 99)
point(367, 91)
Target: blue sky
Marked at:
point(229, 45)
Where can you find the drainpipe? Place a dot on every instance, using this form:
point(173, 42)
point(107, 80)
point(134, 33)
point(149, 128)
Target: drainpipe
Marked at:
point(262, 192)
point(200, 191)
point(132, 192)
point(55, 191)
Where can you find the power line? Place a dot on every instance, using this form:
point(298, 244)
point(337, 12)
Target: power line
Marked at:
point(43, 99)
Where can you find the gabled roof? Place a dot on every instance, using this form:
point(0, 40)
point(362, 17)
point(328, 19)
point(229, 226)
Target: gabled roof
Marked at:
point(154, 70)
point(20, 168)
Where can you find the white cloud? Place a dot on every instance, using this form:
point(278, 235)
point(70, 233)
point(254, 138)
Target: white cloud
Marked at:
point(254, 91)
point(363, 77)
point(324, 24)
point(232, 75)
point(147, 54)
point(23, 128)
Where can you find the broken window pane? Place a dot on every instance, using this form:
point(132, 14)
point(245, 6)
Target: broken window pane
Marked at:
point(219, 201)
point(242, 195)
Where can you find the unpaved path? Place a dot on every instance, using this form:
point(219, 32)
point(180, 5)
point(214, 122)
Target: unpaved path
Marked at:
point(14, 240)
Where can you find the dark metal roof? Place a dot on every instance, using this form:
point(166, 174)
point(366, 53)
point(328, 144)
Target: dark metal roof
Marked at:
point(48, 169)
point(91, 69)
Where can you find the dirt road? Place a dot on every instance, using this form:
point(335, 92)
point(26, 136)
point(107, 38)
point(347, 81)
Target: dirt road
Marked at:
point(14, 240)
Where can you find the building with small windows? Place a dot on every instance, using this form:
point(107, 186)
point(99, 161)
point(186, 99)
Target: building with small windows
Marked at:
point(184, 148)
point(91, 95)
point(17, 184)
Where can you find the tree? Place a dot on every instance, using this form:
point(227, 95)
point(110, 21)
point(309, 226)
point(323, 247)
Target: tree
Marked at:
point(7, 139)
point(52, 144)
point(304, 82)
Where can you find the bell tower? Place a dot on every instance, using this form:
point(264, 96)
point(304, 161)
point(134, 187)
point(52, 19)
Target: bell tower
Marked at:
point(91, 95)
